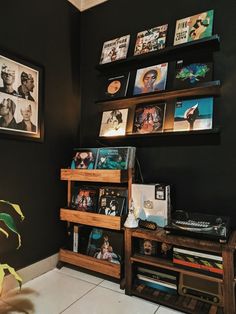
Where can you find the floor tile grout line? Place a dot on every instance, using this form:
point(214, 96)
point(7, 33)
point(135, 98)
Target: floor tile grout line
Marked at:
point(158, 306)
point(71, 276)
point(78, 299)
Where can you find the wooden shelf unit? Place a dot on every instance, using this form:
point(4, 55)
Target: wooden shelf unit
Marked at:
point(93, 219)
point(178, 302)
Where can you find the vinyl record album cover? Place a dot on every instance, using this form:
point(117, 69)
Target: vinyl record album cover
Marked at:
point(194, 27)
point(115, 49)
point(149, 118)
point(116, 86)
point(106, 245)
point(84, 158)
point(114, 122)
point(151, 39)
point(113, 158)
point(193, 114)
point(111, 205)
point(84, 198)
point(150, 79)
point(190, 74)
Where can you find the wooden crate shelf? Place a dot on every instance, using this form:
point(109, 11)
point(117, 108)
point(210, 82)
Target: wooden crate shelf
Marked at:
point(166, 264)
point(90, 263)
point(95, 175)
point(92, 219)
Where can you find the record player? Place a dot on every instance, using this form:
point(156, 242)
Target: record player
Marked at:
point(199, 225)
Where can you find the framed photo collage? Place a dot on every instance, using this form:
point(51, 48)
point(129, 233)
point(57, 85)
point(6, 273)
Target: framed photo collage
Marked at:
point(154, 117)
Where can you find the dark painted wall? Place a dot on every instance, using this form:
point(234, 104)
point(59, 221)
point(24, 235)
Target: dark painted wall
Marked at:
point(49, 33)
point(201, 168)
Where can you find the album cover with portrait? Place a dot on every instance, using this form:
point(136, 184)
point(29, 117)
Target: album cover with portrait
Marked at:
point(151, 40)
point(149, 118)
point(84, 198)
point(193, 114)
point(84, 158)
point(113, 158)
point(111, 205)
point(151, 79)
point(116, 86)
point(114, 122)
point(105, 245)
point(194, 27)
point(148, 247)
point(115, 49)
point(191, 74)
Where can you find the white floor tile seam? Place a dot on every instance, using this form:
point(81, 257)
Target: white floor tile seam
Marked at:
point(111, 289)
point(81, 297)
point(71, 276)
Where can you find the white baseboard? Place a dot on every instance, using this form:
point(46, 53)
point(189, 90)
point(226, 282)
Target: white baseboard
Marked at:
point(30, 272)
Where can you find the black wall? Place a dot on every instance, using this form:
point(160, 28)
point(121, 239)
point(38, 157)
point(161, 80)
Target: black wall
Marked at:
point(200, 168)
point(49, 33)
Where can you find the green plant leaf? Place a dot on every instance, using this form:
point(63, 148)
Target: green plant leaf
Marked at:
point(16, 208)
point(9, 222)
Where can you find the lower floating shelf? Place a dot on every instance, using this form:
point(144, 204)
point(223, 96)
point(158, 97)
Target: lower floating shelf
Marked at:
point(182, 303)
point(91, 263)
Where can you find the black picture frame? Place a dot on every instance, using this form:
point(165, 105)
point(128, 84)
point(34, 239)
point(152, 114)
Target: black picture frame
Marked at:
point(21, 98)
point(111, 205)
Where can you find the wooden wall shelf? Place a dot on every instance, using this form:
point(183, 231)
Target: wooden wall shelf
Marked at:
point(95, 175)
point(91, 263)
point(91, 219)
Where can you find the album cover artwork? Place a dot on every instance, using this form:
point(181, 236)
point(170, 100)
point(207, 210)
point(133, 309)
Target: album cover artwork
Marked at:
point(190, 74)
point(111, 205)
point(106, 245)
point(151, 79)
point(115, 87)
point(114, 122)
point(149, 118)
point(151, 39)
point(194, 27)
point(194, 114)
point(84, 158)
point(115, 49)
point(84, 198)
point(113, 158)
point(147, 247)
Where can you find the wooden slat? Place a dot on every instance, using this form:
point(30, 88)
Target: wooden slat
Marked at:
point(91, 219)
point(91, 263)
point(108, 176)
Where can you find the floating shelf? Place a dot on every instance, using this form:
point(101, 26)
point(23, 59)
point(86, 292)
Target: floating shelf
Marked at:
point(92, 219)
point(91, 263)
point(212, 42)
point(211, 88)
point(108, 176)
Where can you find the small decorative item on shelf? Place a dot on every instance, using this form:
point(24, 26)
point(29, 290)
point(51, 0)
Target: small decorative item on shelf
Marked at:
point(131, 220)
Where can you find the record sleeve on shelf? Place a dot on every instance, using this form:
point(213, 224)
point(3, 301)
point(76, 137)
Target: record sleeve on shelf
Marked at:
point(151, 40)
point(192, 73)
point(84, 198)
point(113, 158)
point(149, 118)
point(194, 27)
point(115, 49)
point(114, 122)
point(115, 86)
point(111, 205)
point(193, 114)
point(150, 79)
point(106, 245)
point(84, 158)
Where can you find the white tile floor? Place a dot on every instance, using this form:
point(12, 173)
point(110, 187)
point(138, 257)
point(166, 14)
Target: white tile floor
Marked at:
point(69, 291)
